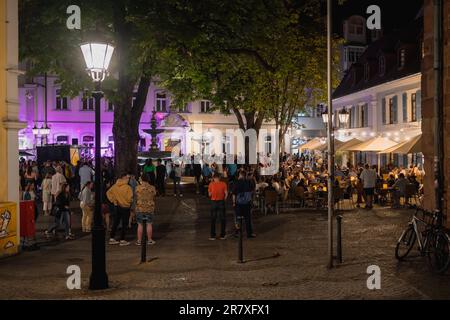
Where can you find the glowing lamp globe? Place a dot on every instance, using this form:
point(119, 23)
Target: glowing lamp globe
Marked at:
point(97, 57)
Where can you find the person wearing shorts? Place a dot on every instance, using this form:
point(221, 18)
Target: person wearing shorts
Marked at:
point(145, 208)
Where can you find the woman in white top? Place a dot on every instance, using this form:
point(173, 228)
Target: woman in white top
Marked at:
point(46, 187)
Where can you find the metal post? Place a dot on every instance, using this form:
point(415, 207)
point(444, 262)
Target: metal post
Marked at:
point(144, 242)
point(241, 246)
point(339, 238)
point(98, 279)
point(330, 137)
point(438, 109)
point(45, 106)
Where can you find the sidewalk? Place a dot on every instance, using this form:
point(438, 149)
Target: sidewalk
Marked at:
point(286, 261)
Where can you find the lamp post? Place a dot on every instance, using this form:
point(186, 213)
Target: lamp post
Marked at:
point(330, 137)
point(97, 57)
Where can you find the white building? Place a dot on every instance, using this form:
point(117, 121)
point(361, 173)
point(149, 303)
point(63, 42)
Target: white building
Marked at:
point(71, 121)
point(382, 93)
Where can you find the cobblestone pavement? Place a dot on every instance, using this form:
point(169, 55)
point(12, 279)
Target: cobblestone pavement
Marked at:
point(286, 261)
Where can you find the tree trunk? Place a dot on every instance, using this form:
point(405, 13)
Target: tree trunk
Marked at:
point(126, 116)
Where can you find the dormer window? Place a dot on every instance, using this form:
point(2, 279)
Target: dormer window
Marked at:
point(401, 58)
point(356, 25)
point(366, 72)
point(382, 65)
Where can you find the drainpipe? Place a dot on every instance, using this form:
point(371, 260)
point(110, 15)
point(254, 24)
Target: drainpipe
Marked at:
point(45, 105)
point(438, 109)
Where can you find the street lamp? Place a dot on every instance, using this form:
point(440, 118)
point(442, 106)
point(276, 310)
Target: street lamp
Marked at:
point(344, 116)
point(325, 117)
point(97, 57)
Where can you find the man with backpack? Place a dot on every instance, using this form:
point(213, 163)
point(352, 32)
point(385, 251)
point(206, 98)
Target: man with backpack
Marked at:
point(242, 201)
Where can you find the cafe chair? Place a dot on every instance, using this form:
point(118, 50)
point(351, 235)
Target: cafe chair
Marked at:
point(271, 199)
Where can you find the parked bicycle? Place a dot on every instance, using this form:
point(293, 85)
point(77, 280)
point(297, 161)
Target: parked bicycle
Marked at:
point(432, 239)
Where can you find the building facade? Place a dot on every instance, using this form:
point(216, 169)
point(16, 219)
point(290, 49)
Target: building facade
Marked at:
point(195, 128)
point(428, 127)
point(382, 93)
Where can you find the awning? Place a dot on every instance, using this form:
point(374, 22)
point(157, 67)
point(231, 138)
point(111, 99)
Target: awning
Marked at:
point(324, 147)
point(376, 144)
point(414, 145)
point(312, 144)
point(348, 144)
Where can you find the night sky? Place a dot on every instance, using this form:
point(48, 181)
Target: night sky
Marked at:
point(394, 13)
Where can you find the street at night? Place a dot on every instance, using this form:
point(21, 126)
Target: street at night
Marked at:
point(226, 158)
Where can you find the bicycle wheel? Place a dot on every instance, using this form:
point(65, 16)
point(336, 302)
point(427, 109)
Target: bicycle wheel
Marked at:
point(405, 243)
point(438, 251)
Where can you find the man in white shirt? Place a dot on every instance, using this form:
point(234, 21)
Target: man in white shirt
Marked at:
point(369, 179)
point(58, 180)
point(86, 173)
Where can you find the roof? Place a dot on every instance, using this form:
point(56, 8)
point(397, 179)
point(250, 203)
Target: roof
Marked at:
point(409, 37)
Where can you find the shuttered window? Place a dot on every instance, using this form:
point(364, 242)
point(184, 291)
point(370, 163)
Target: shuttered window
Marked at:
point(383, 110)
point(405, 107)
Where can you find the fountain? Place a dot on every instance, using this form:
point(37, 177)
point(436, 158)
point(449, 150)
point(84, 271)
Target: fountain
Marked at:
point(154, 152)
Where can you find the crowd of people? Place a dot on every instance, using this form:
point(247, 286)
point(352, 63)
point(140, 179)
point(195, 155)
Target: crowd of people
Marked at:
point(130, 198)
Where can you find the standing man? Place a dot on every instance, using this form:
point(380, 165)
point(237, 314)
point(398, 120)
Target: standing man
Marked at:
point(121, 195)
point(242, 201)
point(218, 193)
point(369, 179)
point(86, 173)
point(58, 180)
point(161, 174)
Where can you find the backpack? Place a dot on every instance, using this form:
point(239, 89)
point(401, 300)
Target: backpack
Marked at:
point(244, 198)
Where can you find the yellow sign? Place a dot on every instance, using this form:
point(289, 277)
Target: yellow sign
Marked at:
point(8, 229)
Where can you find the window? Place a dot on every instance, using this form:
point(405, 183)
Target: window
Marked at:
point(111, 143)
point(354, 54)
point(226, 145)
point(133, 99)
point(383, 110)
point(268, 145)
point(366, 71)
point(184, 108)
point(109, 106)
point(62, 140)
point(401, 58)
point(87, 103)
point(161, 102)
point(405, 107)
point(413, 107)
point(62, 103)
point(205, 105)
point(364, 115)
point(356, 26)
point(393, 110)
point(382, 65)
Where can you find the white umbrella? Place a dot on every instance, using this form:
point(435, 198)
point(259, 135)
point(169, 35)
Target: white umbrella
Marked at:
point(348, 144)
point(376, 144)
point(312, 144)
point(413, 145)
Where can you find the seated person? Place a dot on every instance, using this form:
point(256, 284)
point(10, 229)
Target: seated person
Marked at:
point(391, 180)
point(400, 189)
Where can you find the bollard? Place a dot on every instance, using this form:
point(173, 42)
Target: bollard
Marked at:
point(339, 238)
point(144, 241)
point(241, 246)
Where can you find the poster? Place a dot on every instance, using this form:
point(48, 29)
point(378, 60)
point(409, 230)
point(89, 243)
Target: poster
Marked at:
point(8, 229)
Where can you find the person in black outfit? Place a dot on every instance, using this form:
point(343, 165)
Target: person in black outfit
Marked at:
point(161, 173)
point(242, 201)
point(197, 175)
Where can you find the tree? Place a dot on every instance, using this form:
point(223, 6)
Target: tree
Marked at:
point(260, 60)
point(51, 47)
